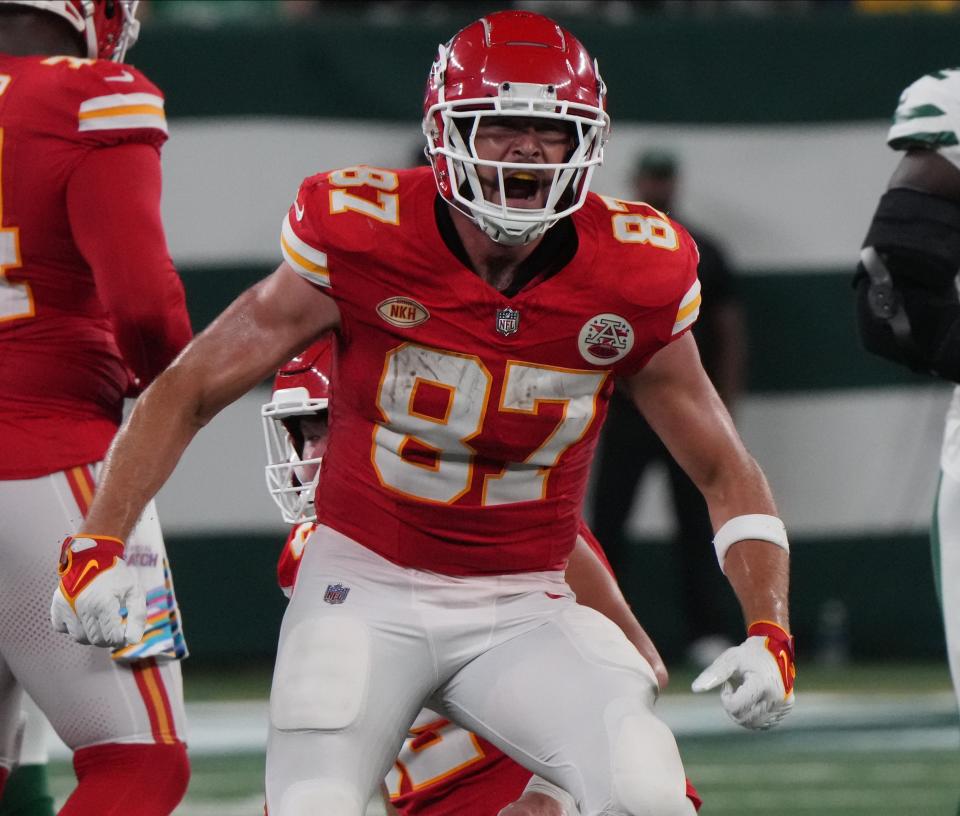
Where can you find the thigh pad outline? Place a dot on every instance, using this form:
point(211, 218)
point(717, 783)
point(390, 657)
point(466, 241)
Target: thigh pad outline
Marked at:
point(600, 639)
point(327, 796)
point(320, 682)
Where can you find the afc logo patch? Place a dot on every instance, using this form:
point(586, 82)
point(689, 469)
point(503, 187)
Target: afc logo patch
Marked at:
point(605, 339)
point(336, 594)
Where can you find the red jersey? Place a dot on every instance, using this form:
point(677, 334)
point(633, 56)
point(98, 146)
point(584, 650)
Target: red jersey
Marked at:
point(465, 420)
point(62, 376)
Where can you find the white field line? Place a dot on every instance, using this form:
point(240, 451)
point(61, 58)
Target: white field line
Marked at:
point(901, 720)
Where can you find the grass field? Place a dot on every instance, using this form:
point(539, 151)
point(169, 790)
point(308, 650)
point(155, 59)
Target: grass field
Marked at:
point(877, 740)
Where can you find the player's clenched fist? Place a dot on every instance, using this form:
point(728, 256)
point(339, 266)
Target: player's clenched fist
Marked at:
point(99, 599)
point(757, 677)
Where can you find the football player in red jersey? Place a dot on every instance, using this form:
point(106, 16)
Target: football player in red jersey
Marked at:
point(479, 335)
point(91, 310)
point(442, 769)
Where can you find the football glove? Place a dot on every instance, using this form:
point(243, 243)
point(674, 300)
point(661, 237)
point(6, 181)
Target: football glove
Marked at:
point(99, 600)
point(757, 677)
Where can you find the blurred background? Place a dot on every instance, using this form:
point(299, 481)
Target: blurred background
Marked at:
point(772, 116)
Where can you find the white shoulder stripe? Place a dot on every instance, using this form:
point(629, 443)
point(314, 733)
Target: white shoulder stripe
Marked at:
point(118, 100)
point(128, 122)
point(689, 308)
point(122, 111)
point(306, 261)
point(693, 293)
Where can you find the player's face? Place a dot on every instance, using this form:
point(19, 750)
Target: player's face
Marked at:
point(522, 140)
point(314, 431)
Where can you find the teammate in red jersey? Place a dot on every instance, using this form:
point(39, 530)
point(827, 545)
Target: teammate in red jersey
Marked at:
point(479, 333)
point(442, 769)
point(91, 310)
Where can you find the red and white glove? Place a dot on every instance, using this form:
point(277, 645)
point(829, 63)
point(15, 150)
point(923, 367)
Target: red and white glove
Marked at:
point(99, 599)
point(757, 677)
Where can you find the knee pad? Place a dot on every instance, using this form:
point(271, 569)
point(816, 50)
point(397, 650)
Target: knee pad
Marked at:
point(647, 773)
point(331, 797)
point(117, 779)
point(320, 681)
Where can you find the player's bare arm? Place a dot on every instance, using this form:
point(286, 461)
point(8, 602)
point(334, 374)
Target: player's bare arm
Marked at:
point(260, 330)
point(682, 406)
point(675, 395)
point(595, 586)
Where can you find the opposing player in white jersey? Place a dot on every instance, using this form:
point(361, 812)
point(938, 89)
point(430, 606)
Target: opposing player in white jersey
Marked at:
point(483, 309)
point(91, 310)
point(907, 304)
point(442, 769)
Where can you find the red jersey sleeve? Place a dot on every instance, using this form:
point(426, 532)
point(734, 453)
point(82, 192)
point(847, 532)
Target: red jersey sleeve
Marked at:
point(660, 280)
point(122, 240)
point(116, 104)
point(300, 235)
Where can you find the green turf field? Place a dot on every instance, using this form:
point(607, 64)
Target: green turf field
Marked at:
point(877, 740)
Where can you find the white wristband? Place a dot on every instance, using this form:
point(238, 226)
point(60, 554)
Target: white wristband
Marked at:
point(538, 784)
point(753, 526)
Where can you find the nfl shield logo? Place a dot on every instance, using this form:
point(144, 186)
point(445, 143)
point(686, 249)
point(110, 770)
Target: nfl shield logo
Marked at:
point(508, 321)
point(336, 593)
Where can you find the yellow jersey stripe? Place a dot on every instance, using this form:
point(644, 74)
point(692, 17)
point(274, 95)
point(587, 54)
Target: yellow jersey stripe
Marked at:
point(318, 274)
point(123, 110)
point(685, 311)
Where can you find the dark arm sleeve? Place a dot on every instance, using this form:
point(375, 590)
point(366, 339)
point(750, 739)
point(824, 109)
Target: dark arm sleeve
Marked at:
point(113, 201)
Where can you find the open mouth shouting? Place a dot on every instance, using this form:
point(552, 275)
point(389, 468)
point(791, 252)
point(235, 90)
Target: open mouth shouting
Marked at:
point(523, 188)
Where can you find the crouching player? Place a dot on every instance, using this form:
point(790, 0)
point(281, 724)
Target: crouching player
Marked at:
point(442, 769)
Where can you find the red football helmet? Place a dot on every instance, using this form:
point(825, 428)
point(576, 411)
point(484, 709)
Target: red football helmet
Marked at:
point(300, 389)
point(108, 27)
point(510, 64)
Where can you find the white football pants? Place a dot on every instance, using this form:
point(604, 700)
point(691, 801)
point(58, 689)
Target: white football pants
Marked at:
point(366, 643)
point(948, 528)
point(88, 697)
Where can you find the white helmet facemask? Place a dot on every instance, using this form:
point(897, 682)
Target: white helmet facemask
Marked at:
point(570, 180)
point(286, 471)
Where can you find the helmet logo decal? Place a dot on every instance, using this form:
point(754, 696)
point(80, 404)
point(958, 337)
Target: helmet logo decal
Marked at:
point(403, 312)
point(508, 321)
point(605, 338)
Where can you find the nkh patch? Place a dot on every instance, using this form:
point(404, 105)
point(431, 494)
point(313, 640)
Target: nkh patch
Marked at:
point(605, 338)
point(336, 593)
point(508, 321)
